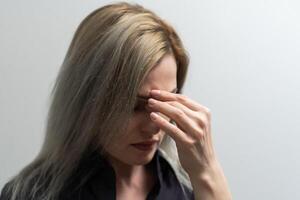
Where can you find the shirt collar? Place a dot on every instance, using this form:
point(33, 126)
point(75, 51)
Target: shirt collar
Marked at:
point(95, 179)
point(102, 177)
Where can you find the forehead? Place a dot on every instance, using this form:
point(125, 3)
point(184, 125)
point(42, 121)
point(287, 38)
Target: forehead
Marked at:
point(162, 76)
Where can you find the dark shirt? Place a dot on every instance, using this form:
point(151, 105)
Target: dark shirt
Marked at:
point(99, 182)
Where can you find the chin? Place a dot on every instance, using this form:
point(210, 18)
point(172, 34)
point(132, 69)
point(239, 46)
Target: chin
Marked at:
point(142, 158)
point(141, 162)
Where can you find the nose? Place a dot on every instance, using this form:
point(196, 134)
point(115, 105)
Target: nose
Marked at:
point(148, 126)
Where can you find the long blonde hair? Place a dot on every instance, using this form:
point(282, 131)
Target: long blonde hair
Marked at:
point(111, 53)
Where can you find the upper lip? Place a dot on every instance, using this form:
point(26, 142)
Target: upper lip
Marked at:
point(147, 142)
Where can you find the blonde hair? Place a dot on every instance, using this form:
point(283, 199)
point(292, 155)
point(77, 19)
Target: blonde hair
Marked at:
point(111, 53)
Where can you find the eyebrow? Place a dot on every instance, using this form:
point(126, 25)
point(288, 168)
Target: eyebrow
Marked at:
point(144, 97)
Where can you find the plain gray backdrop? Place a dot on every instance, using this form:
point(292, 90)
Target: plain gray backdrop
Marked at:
point(244, 66)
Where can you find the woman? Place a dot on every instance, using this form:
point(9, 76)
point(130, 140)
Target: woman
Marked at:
point(109, 134)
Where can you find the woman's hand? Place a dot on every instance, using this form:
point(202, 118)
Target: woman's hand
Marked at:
point(192, 134)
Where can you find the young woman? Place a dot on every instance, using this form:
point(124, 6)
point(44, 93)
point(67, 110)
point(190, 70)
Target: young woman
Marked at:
point(118, 127)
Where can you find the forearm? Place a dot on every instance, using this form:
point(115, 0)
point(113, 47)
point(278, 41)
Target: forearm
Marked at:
point(211, 184)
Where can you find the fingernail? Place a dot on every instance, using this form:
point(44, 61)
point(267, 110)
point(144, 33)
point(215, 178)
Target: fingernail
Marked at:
point(151, 102)
point(153, 115)
point(155, 92)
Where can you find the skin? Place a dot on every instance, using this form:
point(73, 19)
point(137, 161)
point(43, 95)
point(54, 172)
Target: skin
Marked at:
point(134, 178)
point(192, 134)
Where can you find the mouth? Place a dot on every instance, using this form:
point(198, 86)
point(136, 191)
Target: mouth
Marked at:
point(146, 145)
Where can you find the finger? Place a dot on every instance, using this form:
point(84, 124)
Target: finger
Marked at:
point(181, 119)
point(168, 96)
point(182, 107)
point(195, 116)
point(176, 104)
point(178, 135)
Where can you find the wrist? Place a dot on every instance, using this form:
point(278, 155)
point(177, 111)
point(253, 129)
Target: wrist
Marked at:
point(206, 181)
point(210, 183)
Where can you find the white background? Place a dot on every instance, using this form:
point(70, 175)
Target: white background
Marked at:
point(244, 66)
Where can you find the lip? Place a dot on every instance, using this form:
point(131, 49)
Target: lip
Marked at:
point(146, 145)
point(148, 142)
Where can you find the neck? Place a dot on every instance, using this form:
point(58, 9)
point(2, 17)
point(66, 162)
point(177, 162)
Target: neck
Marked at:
point(131, 175)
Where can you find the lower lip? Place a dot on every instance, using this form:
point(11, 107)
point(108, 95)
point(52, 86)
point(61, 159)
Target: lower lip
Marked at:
point(144, 147)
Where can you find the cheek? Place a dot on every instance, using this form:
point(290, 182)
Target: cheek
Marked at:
point(131, 130)
point(127, 138)
point(136, 120)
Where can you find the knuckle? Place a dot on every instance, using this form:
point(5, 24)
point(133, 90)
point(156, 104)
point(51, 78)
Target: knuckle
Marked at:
point(205, 121)
point(203, 118)
point(200, 134)
point(191, 143)
point(181, 97)
point(179, 114)
point(172, 103)
point(208, 114)
point(200, 119)
point(164, 123)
